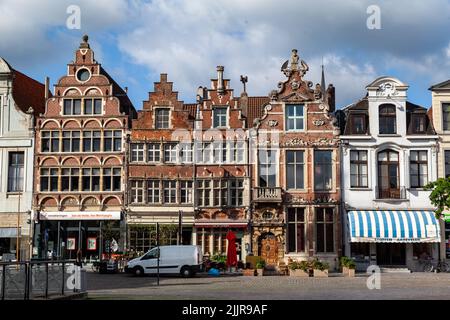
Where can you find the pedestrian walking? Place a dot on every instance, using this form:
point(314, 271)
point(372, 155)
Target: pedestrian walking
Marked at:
point(79, 259)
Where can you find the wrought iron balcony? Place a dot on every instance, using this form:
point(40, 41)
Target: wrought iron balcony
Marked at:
point(267, 195)
point(391, 193)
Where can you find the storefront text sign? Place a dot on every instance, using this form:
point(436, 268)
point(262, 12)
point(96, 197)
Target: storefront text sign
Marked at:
point(81, 215)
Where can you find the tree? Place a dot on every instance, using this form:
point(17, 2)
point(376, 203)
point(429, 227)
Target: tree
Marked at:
point(440, 195)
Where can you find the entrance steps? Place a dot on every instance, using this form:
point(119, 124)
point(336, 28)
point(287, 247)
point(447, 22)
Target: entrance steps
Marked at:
point(394, 270)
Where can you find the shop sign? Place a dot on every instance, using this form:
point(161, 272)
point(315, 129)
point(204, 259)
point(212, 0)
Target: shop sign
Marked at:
point(71, 243)
point(80, 215)
point(92, 244)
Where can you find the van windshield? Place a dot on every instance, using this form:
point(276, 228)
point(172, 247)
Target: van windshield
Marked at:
point(152, 254)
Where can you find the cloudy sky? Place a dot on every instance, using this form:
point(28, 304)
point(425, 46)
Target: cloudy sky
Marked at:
point(135, 40)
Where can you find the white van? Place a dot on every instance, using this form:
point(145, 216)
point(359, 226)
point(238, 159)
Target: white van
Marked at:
point(184, 260)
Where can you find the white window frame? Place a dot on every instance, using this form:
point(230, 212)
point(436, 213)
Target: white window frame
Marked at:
point(186, 191)
point(153, 190)
point(172, 191)
point(158, 109)
point(137, 152)
point(295, 117)
point(221, 116)
point(19, 174)
point(295, 164)
point(137, 190)
point(171, 149)
point(155, 150)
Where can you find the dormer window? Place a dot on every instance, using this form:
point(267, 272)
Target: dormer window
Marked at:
point(419, 124)
point(295, 117)
point(358, 123)
point(220, 117)
point(388, 121)
point(162, 118)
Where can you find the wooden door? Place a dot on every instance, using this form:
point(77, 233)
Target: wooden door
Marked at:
point(269, 250)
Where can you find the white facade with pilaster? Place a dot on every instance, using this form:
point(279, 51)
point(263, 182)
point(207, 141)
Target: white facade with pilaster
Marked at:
point(372, 182)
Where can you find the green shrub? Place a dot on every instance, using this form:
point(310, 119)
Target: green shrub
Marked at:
point(219, 258)
point(302, 265)
point(260, 264)
point(319, 265)
point(347, 262)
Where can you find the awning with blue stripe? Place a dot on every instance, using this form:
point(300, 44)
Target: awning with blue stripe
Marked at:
point(393, 226)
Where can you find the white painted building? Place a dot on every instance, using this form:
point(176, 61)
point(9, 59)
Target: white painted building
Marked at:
point(440, 113)
point(389, 153)
point(21, 98)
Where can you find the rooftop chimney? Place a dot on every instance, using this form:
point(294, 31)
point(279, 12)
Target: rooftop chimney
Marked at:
point(220, 87)
point(47, 85)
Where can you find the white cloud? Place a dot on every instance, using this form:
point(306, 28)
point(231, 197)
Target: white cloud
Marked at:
point(188, 39)
point(36, 30)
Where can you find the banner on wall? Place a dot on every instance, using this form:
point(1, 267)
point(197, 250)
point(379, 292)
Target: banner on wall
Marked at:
point(80, 215)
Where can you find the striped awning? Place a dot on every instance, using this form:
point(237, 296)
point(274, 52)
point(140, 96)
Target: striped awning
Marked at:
point(393, 226)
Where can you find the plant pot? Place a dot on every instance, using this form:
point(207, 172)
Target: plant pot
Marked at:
point(320, 274)
point(260, 272)
point(298, 273)
point(248, 272)
point(348, 272)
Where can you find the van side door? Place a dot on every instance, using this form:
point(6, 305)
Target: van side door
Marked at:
point(150, 260)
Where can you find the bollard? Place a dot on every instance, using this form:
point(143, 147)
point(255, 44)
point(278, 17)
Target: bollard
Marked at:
point(46, 281)
point(3, 281)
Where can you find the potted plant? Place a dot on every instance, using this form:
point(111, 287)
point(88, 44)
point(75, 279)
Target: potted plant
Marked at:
point(299, 269)
point(260, 265)
point(348, 266)
point(320, 269)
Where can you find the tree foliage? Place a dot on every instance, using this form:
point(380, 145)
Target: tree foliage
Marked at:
point(440, 194)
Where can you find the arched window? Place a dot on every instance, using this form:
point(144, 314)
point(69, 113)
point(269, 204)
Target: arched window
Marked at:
point(387, 115)
point(388, 175)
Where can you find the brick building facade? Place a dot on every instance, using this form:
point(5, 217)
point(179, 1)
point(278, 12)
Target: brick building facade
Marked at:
point(80, 157)
point(161, 170)
point(188, 162)
point(296, 177)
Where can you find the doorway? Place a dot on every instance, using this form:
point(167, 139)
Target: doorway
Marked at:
point(268, 249)
point(391, 254)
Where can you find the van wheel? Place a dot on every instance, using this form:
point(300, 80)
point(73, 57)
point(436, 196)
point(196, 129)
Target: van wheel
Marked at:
point(186, 272)
point(138, 271)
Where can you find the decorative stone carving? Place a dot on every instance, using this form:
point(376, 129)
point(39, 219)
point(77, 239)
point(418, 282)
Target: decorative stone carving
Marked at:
point(273, 95)
point(273, 123)
point(295, 85)
point(387, 89)
point(318, 123)
point(321, 142)
point(294, 59)
point(317, 92)
point(321, 200)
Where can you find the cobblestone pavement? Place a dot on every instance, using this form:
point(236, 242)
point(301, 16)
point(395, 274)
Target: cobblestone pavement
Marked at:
point(393, 286)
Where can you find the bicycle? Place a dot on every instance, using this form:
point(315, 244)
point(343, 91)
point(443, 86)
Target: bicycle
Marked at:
point(441, 266)
point(95, 266)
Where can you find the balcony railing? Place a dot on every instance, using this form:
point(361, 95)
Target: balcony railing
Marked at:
point(267, 195)
point(391, 193)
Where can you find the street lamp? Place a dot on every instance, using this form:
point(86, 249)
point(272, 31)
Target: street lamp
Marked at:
point(18, 229)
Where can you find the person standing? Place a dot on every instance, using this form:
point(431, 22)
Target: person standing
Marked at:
point(79, 259)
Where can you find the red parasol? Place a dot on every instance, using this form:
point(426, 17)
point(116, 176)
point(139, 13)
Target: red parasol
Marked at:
point(231, 252)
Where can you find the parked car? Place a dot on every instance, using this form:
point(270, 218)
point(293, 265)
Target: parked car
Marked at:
point(184, 260)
